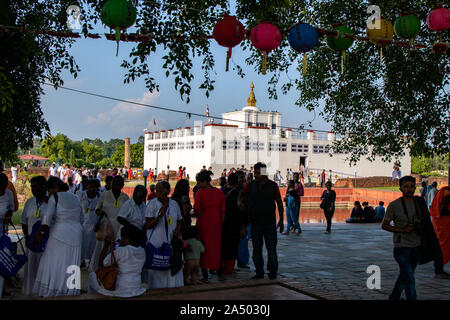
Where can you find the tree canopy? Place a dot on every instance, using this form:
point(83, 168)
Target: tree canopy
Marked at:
point(384, 108)
point(87, 152)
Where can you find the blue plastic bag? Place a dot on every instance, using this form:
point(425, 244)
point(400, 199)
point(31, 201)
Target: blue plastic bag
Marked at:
point(10, 263)
point(35, 230)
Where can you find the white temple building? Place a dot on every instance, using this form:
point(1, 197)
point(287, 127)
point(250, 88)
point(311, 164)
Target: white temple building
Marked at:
point(248, 136)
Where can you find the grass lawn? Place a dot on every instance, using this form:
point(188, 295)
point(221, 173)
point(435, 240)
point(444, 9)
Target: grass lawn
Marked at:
point(17, 217)
point(392, 189)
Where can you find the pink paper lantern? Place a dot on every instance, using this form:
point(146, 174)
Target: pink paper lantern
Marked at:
point(439, 19)
point(265, 37)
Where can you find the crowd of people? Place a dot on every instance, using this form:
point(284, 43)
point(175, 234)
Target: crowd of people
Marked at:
point(94, 227)
point(72, 221)
point(366, 213)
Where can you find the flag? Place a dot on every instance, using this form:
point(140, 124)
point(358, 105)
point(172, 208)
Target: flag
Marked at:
point(207, 110)
point(154, 121)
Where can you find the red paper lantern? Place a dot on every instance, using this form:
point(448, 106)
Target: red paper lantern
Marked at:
point(439, 19)
point(228, 32)
point(265, 37)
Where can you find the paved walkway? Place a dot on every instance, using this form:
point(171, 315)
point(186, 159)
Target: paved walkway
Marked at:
point(315, 265)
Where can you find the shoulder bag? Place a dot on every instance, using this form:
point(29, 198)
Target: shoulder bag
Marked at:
point(107, 276)
point(158, 258)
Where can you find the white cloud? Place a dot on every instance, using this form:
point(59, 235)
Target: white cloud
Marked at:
point(126, 119)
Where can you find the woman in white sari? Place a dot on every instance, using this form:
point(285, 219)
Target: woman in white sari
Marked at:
point(31, 214)
point(163, 223)
point(63, 248)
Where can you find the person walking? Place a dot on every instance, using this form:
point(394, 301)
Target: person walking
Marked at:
point(209, 207)
point(63, 250)
point(262, 196)
point(299, 189)
point(411, 222)
point(328, 204)
point(162, 223)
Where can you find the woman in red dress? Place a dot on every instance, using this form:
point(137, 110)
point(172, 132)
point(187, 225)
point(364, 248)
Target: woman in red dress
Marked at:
point(209, 207)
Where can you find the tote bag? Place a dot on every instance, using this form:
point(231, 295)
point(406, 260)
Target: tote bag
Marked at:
point(10, 263)
point(107, 276)
point(158, 258)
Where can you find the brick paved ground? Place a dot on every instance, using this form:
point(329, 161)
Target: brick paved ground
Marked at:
point(317, 265)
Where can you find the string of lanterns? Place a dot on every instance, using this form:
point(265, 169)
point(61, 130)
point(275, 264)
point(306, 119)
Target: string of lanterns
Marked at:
point(229, 32)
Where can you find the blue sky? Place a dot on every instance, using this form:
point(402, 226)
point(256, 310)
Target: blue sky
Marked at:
point(80, 116)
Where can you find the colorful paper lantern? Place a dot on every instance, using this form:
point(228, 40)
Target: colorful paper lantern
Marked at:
point(407, 26)
point(118, 15)
point(438, 19)
point(381, 36)
point(341, 43)
point(265, 37)
point(303, 38)
point(228, 32)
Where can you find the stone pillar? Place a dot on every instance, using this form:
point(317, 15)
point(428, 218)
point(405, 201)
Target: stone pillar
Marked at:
point(127, 153)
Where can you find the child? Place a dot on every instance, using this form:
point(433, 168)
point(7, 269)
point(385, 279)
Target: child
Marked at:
point(192, 257)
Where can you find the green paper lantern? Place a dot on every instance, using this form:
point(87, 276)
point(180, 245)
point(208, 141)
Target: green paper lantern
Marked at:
point(118, 15)
point(407, 26)
point(340, 43)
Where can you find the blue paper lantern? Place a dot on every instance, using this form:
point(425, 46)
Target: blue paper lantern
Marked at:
point(303, 37)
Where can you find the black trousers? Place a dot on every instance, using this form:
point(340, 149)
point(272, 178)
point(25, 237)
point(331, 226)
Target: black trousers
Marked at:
point(329, 217)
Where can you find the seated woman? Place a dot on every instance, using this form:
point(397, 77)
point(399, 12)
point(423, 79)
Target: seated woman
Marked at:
point(357, 213)
point(130, 259)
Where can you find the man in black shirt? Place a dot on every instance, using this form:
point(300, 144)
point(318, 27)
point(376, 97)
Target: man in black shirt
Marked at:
point(260, 196)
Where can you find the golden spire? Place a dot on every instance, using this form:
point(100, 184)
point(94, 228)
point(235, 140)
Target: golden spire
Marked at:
point(251, 101)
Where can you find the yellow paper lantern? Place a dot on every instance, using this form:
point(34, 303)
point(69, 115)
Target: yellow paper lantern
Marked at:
point(381, 36)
